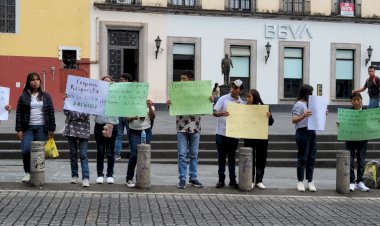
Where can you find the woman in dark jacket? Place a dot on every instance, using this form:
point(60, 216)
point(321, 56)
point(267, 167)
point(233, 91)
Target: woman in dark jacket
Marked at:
point(35, 119)
point(260, 147)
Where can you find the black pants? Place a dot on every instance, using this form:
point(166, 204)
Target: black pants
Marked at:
point(259, 157)
point(360, 149)
point(226, 147)
point(104, 146)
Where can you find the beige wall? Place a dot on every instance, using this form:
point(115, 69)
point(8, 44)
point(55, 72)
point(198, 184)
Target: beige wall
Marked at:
point(213, 4)
point(158, 3)
point(271, 6)
point(370, 8)
point(320, 7)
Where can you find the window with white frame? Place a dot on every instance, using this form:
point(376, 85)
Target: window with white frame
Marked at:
point(293, 71)
point(241, 57)
point(344, 72)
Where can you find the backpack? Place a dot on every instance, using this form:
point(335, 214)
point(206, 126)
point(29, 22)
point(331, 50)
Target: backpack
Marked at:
point(371, 176)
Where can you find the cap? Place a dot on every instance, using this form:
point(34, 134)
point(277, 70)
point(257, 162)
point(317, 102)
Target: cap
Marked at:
point(238, 83)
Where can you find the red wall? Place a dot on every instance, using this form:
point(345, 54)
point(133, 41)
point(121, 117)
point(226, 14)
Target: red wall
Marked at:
point(15, 69)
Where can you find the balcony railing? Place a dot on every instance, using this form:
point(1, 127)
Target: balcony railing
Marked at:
point(296, 7)
point(184, 3)
point(241, 5)
point(125, 2)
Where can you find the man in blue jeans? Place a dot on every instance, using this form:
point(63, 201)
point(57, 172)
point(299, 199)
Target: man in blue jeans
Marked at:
point(123, 123)
point(373, 85)
point(188, 135)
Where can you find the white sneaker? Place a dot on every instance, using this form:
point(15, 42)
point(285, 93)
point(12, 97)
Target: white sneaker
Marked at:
point(300, 186)
point(110, 180)
point(311, 186)
point(100, 180)
point(131, 184)
point(85, 183)
point(352, 187)
point(26, 178)
point(362, 186)
point(253, 185)
point(74, 180)
point(260, 185)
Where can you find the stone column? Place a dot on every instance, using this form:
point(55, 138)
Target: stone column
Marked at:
point(343, 172)
point(245, 169)
point(143, 166)
point(37, 163)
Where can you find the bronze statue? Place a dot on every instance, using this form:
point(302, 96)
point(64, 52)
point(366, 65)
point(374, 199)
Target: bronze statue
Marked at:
point(226, 64)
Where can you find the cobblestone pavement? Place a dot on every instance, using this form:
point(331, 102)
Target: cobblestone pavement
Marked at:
point(19, 207)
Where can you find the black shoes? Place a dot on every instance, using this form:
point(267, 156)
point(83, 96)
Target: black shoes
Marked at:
point(220, 184)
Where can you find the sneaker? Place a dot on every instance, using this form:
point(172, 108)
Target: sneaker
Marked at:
point(85, 183)
point(100, 180)
point(196, 183)
point(220, 184)
point(131, 184)
point(74, 180)
point(182, 184)
point(110, 180)
point(300, 186)
point(26, 178)
point(260, 185)
point(352, 187)
point(362, 186)
point(311, 186)
point(117, 157)
point(253, 185)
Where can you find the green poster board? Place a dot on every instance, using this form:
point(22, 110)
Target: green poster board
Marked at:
point(127, 99)
point(358, 125)
point(190, 98)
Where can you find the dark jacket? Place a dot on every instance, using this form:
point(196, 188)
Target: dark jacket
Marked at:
point(23, 112)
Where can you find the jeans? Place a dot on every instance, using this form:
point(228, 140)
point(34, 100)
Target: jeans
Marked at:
point(33, 133)
point(259, 157)
point(373, 103)
point(104, 145)
point(360, 149)
point(307, 152)
point(123, 123)
point(83, 145)
point(226, 147)
point(135, 139)
point(188, 141)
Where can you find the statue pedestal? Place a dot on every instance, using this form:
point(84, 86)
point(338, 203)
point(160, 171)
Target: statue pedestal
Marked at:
point(224, 89)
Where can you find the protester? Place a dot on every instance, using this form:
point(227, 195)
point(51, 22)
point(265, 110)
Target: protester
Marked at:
point(373, 85)
point(188, 136)
point(8, 108)
point(77, 131)
point(226, 145)
point(358, 148)
point(35, 120)
point(123, 123)
point(306, 139)
point(137, 126)
point(105, 144)
point(216, 92)
point(259, 146)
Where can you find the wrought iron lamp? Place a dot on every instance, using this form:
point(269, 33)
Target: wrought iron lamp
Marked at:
point(158, 44)
point(369, 51)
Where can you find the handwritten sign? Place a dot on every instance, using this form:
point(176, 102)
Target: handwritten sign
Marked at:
point(127, 99)
point(86, 95)
point(247, 121)
point(190, 98)
point(4, 100)
point(318, 107)
point(358, 125)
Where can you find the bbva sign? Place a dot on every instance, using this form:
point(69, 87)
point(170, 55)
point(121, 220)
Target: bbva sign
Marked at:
point(286, 31)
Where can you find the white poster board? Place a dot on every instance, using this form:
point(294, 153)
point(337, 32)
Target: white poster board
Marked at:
point(4, 100)
point(318, 107)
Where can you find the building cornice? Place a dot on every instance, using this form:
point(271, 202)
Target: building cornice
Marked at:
point(219, 13)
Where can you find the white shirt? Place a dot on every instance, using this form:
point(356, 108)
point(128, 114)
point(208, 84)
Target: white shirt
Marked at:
point(221, 105)
point(141, 124)
point(36, 111)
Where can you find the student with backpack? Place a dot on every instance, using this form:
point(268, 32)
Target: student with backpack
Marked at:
point(373, 85)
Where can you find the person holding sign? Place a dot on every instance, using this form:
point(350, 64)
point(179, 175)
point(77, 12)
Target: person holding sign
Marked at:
point(259, 147)
point(358, 148)
point(138, 126)
point(188, 135)
point(306, 139)
point(35, 119)
point(226, 145)
point(105, 132)
point(373, 85)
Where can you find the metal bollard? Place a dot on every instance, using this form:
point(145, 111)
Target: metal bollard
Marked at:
point(37, 163)
point(245, 169)
point(143, 166)
point(343, 172)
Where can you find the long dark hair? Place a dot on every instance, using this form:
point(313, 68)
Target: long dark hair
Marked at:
point(305, 91)
point(28, 88)
point(256, 97)
point(215, 86)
